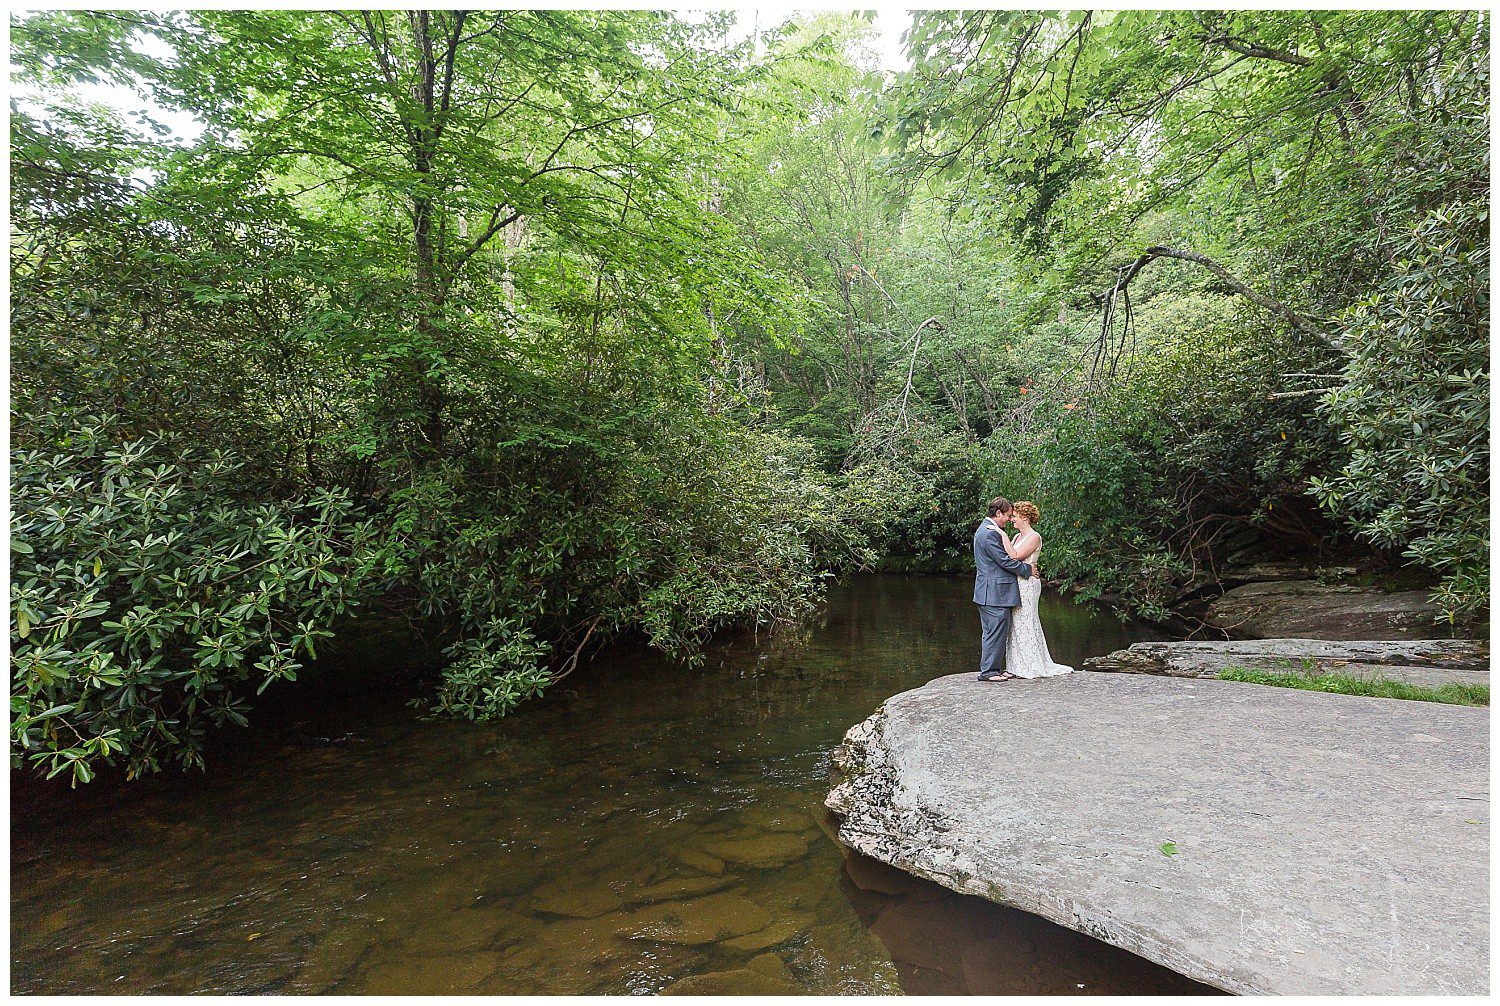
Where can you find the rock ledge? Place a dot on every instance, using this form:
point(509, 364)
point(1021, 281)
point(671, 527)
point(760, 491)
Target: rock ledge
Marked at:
point(1261, 840)
point(1314, 609)
point(1428, 662)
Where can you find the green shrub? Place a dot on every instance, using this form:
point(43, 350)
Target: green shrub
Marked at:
point(148, 594)
point(1413, 410)
point(700, 527)
point(920, 495)
point(739, 528)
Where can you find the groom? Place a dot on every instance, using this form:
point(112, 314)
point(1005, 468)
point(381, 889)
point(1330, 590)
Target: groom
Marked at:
point(995, 590)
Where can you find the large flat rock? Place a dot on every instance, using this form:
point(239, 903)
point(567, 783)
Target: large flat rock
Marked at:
point(1321, 843)
point(1428, 662)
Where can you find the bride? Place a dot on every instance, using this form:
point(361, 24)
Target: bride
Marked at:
point(1026, 655)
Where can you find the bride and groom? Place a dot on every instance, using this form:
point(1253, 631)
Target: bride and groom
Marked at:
point(1008, 590)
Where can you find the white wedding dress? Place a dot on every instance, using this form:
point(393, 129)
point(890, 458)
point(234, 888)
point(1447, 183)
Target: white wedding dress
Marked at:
point(1026, 655)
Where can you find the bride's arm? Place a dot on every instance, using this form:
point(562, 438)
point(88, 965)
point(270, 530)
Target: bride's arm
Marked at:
point(995, 549)
point(1024, 547)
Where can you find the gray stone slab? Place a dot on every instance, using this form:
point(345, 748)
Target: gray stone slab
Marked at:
point(1322, 843)
point(1429, 662)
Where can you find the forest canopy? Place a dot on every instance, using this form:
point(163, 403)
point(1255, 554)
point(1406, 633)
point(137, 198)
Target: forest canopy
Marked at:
point(542, 329)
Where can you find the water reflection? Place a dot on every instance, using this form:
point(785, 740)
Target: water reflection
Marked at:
point(647, 829)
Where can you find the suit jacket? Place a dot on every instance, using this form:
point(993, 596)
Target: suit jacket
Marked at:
point(995, 572)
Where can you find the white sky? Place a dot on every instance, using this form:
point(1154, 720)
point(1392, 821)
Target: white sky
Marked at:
point(890, 23)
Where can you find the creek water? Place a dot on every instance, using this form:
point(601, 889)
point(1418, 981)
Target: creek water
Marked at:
point(642, 825)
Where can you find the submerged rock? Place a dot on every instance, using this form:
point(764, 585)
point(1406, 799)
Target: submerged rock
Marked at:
point(567, 941)
point(465, 930)
point(1311, 609)
point(700, 861)
point(1261, 840)
point(773, 819)
point(771, 849)
point(784, 928)
point(738, 982)
point(712, 919)
point(682, 887)
point(333, 956)
point(574, 899)
point(1427, 662)
point(588, 898)
point(770, 965)
point(446, 974)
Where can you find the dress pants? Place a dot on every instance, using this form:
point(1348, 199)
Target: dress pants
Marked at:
point(994, 625)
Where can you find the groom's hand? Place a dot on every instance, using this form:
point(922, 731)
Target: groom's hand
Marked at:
point(1034, 570)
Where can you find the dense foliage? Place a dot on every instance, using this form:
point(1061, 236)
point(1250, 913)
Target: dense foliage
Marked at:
point(145, 589)
point(448, 277)
point(1115, 261)
point(1414, 407)
point(546, 328)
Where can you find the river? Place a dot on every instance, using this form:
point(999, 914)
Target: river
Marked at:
point(642, 824)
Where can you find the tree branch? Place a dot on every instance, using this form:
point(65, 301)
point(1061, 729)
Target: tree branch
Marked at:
point(1256, 51)
point(1271, 304)
point(911, 365)
point(495, 225)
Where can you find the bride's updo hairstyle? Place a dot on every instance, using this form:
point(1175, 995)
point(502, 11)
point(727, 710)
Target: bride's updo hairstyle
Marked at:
point(1027, 510)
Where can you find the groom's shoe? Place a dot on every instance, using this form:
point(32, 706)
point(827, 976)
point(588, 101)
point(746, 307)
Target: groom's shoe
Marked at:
point(989, 675)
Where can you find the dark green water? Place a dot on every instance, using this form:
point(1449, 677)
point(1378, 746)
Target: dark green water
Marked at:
point(645, 825)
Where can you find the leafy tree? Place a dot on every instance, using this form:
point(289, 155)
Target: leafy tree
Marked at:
point(463, 268)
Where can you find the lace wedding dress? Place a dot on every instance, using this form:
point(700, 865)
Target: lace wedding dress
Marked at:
point(1026, 655)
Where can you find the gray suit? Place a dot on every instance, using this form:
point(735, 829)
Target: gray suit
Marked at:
point(996, 592)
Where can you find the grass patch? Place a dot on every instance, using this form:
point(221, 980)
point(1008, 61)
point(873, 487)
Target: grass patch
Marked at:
point(1453, 693)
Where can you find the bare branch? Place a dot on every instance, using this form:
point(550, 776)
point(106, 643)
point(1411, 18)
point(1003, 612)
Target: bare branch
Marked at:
point(1299, 394)
point(1129, 272)
point(911, 366)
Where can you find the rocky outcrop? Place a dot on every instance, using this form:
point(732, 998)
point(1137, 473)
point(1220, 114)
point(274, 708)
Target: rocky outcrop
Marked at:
point(1315, 609)
point(1429, 662)
point(1261, 840)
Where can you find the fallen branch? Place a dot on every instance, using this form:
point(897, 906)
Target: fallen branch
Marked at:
point(572, 662)
point(911, 366)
